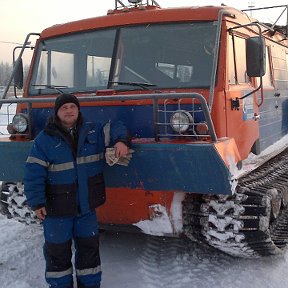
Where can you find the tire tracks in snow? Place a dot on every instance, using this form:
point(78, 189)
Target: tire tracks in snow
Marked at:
point(180, 263)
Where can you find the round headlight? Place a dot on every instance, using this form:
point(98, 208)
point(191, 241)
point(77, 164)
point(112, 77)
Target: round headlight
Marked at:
point(20, 123)
point(180, 121)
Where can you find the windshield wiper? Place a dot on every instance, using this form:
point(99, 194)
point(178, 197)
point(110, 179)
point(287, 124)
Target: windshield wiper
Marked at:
point(56, 87)
point(144, 85)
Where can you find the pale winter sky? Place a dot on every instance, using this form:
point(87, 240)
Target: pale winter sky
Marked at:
point(20, 17)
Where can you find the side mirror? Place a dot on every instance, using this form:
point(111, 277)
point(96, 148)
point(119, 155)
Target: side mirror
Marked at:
point(255, 56)
point(18, 76)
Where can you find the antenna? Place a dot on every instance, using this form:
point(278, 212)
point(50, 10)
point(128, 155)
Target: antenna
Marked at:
point(251, 5)
point(135, 3)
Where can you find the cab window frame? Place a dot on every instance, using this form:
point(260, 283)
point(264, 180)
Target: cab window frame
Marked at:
point(237, 60)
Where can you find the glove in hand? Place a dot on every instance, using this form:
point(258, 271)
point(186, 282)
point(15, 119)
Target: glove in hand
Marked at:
point(111, 159)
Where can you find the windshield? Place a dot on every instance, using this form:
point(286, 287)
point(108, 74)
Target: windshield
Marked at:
point(178, 55)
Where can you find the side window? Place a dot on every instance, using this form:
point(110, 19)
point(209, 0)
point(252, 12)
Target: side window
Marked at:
point(56, 68)
point(267, 78)
point(181, 72)
point(279, 58)
point(62, 69)
point(97, 71)
point(237, 60)
point(42, 72)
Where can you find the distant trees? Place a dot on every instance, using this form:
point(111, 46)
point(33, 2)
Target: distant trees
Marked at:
point(6, 71)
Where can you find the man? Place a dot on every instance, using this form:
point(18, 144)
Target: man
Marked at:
point(64, 184)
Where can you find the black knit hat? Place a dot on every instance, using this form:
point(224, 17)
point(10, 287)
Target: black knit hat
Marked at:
point(63, 99)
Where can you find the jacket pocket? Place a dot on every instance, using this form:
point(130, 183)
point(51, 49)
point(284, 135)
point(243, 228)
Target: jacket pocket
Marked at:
point(96, 190)
point(61, 200)
point(92, 137)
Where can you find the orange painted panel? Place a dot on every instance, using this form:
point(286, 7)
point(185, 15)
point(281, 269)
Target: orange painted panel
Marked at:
point(127, 206)
point(228, 151)
point(246, 132)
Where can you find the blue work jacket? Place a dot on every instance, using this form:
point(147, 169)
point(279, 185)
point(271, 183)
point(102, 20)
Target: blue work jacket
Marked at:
point(68, 179)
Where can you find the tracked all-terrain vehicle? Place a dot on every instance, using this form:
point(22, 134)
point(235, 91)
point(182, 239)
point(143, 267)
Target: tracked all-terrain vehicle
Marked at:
point(204, 94)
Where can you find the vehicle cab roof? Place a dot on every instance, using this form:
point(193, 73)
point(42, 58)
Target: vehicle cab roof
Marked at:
point(141, 16)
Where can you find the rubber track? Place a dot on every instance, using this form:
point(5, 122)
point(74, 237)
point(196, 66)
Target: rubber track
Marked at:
point(258, 240)
point(12, 209)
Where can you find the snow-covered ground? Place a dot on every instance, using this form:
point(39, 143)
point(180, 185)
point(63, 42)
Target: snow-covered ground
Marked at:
point(138, 260)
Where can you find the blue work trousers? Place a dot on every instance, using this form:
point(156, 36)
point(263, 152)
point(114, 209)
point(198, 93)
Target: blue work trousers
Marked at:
point(59, 233)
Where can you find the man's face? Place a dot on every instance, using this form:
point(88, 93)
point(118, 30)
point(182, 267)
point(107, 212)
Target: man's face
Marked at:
point(68, 114)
